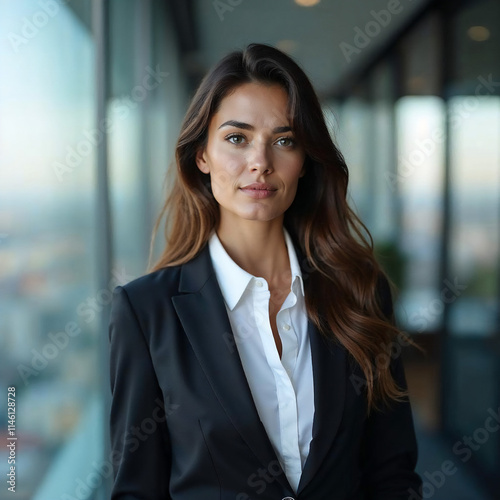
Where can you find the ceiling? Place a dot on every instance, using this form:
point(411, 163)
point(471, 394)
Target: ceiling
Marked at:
point(324, 39)
point(321, 38)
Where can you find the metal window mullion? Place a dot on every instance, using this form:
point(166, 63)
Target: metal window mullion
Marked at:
point(104, 237)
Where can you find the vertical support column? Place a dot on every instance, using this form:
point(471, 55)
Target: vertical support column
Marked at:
point(144, 59)
point(446, 360)
point(100, 30)
point(370, 158)
point(496, 346)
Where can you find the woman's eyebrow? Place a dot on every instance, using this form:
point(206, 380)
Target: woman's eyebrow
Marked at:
point(247, 126)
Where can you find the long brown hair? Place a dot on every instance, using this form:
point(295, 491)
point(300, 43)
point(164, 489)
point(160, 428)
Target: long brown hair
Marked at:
point(343, 278)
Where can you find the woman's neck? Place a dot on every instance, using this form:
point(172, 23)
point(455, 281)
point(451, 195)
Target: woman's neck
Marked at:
point(257, 247)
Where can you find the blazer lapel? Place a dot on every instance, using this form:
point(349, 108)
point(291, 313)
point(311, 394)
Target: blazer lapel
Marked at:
point(329, 372)
point(203, 315)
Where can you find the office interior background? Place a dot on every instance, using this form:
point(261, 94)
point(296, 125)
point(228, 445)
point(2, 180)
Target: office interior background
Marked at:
point(91, 98)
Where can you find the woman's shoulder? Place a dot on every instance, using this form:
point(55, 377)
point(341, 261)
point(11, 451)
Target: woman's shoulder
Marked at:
point(163, 282)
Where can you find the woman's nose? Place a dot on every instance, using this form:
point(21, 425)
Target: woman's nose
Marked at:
point(260, 158)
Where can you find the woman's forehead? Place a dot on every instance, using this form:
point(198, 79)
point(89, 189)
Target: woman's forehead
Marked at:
point(254, 104)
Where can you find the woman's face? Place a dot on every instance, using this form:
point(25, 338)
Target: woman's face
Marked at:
point(251, 155)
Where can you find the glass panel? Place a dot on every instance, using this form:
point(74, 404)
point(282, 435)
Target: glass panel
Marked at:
point(353, 140)
point(471, 394)
point(132, 85)
point(168, 105)
point(49, 305)
point(475, 205)
point(419, 181)
point(383, 226)
point(475, 170)
point(146, 106)
point(385, 219)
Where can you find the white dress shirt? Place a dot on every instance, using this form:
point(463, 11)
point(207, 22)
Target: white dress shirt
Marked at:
point(282, 389)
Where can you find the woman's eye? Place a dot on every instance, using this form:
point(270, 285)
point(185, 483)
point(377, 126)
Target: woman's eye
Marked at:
point(285, 141)
point(235, 139)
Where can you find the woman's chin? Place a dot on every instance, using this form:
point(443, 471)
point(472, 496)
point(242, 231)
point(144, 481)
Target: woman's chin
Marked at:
point(258, 215)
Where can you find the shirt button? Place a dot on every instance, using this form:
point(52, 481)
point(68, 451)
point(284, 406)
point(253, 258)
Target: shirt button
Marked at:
point(259, 283)
point(286, 326)
point(288, 498)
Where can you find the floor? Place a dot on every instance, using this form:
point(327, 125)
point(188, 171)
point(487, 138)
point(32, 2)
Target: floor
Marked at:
point(453, 483)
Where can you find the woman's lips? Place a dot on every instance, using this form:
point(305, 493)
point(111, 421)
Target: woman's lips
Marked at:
point(258, 193)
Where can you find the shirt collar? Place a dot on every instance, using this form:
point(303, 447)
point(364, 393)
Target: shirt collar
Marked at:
point(233, 280)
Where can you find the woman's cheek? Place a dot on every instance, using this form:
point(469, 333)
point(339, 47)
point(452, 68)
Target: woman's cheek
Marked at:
point(220, 181)
point(221, 173)
point(235, 163)
point(231, 170)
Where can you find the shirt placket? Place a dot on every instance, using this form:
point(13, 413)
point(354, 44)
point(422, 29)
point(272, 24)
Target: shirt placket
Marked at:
point(287, 401)
point(288, 335)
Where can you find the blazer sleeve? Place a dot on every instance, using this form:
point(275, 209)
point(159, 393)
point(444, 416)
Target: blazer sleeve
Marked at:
point(138, 430)
point(389, 446)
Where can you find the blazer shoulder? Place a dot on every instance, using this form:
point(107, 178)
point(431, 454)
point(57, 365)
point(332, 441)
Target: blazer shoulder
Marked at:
point(161, 283)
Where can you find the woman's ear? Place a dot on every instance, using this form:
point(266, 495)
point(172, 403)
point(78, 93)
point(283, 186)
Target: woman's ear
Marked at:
point(303, 171)
point(201, 161)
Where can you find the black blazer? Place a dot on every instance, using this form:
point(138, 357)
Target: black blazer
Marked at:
point(183, 423)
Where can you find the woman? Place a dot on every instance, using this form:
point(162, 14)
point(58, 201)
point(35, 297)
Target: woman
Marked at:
point(258, 359)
